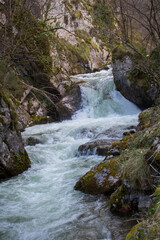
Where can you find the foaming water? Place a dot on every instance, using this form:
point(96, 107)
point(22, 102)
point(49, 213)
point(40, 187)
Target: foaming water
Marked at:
point(41, 203)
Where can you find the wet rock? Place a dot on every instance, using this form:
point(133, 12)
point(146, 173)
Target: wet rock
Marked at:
point(13, 157)
point(101, 179)
point(31, 141)
point(136, 93)
point(125, 200)
point(120, 200)
point(100, 147)
point(69, 104)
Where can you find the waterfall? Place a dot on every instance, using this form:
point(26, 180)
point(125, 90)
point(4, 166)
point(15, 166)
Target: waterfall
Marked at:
point(41, 204)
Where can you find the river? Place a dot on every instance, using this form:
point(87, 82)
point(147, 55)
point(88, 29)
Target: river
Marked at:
point(41, 203)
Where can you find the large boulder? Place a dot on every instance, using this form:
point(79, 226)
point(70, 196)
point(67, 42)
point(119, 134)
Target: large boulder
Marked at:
point(101, 179)
point(143, 94)
point(69, 104)
point(13, 157)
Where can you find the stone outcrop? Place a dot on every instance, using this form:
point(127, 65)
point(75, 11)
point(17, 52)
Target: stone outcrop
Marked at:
point(69, 104)
point(134, 92)
point(132, 79)
point(13, 157)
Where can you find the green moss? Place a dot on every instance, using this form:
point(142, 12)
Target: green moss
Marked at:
point(149, 117)
point(88, 176)
point(20, 163)
point(41, 120)
point(82, 34)
point(123, 143)
point(76, 15)
point(120, 201)
point(102, 178)
point(136, 232)
point(75, 54)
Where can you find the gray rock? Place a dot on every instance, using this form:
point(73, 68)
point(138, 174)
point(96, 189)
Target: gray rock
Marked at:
point(100, 147)
point(13, 157)
point(133, 92)
point(69, 104)
point(144, 203)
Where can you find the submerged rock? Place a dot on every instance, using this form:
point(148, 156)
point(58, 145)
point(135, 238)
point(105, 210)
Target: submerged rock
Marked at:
point(101, 179)
point(13, 157)
point(101, 147)
point(69, 104)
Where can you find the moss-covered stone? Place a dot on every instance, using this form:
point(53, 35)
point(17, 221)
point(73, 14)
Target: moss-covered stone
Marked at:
point(136, 232)
point(102, 178)
point(13, 157)
point(149, 117)
point(120, 200)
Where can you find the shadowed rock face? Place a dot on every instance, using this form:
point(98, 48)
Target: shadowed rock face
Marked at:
point(135, 93)
point(13, 157)
point(69, 104)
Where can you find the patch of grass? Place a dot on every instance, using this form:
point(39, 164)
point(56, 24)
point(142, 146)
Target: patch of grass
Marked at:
point(135, 169)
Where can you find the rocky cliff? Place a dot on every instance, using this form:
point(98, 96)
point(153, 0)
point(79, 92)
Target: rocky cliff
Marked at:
point(13, 157)
point(132, 81)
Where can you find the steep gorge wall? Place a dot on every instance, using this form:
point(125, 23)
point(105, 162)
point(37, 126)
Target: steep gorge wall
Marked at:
point(13, 157)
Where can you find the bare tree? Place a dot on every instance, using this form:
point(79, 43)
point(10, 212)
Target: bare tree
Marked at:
point(138, 27)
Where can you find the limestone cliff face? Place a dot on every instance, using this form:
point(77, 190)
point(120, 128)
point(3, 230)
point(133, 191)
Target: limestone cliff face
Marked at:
point(75, 47)
point(13, 157)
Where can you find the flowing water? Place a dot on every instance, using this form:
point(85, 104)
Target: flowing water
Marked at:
point(41, 203)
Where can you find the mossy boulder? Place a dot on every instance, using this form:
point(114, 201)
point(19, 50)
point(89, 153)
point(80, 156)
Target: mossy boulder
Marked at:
point(120, 200)
point(132, 81)
point(13, 157)
point(148, 118)
point(101, 179)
